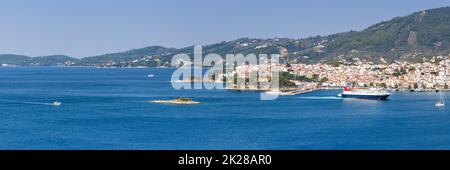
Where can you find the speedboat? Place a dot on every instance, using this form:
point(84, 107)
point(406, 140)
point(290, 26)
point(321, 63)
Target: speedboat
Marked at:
point(56, 104)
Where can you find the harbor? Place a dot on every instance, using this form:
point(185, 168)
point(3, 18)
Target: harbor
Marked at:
point(113, 112)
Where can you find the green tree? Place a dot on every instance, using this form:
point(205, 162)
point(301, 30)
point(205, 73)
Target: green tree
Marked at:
point(399, 72)
point(323, 80)
point(284, 82)
point(315, 77)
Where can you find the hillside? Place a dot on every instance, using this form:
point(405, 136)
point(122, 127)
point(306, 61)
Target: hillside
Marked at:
point(135, 57)
point(53, 60)
point(410, 38)
point(11, 59)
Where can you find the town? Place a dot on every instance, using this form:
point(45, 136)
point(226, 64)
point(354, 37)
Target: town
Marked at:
point(399, 75)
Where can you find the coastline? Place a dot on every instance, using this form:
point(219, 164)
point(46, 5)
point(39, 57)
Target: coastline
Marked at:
point(302, 90)
point(211, 81)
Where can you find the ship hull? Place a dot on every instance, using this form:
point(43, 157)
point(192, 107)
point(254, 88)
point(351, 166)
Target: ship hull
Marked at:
point(368, 97)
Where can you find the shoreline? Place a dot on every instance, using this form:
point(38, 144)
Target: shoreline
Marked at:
point(332, 88)
point(227, 88)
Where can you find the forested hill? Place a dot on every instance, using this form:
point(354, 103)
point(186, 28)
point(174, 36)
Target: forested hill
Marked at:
point(412, 38)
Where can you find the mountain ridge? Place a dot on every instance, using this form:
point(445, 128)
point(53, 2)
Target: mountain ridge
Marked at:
point(408, 38)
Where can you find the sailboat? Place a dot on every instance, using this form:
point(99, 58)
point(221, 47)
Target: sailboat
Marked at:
point(441, 103)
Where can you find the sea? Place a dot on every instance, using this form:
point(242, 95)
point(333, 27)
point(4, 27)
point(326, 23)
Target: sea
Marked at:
point(109, 108)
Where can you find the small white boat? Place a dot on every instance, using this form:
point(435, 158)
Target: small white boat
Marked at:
point(150, 75)
point(56, 104)
point(441, 103)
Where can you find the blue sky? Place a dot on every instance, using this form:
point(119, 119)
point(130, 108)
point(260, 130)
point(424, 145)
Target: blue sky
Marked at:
point(81, 28)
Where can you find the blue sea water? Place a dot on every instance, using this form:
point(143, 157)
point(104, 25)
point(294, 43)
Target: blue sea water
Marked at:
point(109, 109)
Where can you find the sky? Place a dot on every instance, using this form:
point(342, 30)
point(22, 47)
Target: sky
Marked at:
point(81, 28)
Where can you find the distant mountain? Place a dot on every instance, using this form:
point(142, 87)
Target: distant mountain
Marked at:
point(11, 59)
point(410, 38)
point(137, 57)
point(53, 60)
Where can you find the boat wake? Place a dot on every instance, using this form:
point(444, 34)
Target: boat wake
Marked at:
point(34, 103)
point(320, 98)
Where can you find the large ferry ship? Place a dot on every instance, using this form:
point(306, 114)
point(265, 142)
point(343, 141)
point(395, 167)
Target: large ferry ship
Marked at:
point(370, 94)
